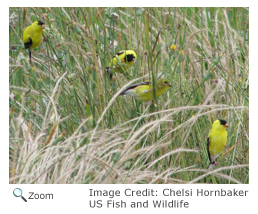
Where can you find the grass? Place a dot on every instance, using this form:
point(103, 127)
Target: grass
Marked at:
point(67, 123)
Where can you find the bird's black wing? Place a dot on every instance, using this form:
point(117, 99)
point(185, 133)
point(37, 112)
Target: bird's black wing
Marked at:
point(117, 54)
point(28, 44)
point(208, 145)
point(133, 86)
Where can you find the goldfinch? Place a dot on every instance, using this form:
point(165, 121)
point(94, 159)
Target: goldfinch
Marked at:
point(216, 141)
point(32, 36)
point(144, 91)
point(121, 62)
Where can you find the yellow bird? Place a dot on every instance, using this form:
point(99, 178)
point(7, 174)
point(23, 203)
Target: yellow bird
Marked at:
point(32, 36)
point(121, 62)
point(144, 91)
point(216, 141)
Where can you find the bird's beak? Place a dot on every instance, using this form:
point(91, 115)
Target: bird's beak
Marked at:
point(226, 125)
point(43, 26)
point(170, 85)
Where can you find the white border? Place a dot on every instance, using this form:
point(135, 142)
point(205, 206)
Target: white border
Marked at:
point(74, 198)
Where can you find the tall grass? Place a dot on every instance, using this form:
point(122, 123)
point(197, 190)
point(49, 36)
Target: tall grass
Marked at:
point(68, 124)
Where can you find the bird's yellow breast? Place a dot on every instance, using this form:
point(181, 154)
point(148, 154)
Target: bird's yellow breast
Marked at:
point(218, 140)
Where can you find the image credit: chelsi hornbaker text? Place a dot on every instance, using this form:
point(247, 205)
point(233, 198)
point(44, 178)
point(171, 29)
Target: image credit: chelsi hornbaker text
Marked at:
point(152, 198)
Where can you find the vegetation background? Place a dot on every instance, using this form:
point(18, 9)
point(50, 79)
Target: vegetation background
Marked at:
point(68, 125)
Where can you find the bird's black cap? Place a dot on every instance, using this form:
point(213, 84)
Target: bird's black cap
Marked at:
point(129, 57)
point(223, 122)
point(40, 23)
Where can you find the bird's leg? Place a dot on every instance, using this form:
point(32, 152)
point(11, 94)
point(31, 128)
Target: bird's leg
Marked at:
point(216, 163)
point(226, 148)
point(153, 106)
point(153, 103)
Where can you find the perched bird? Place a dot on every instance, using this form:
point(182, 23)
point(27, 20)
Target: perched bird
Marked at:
point(216, 141)
point(121, 62)
point(32, 36)
point(144, 91)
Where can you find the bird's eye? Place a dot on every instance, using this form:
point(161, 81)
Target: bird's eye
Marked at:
point(165, 82)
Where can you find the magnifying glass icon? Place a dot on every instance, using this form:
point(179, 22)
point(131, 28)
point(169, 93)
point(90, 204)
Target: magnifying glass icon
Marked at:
point(18, 193)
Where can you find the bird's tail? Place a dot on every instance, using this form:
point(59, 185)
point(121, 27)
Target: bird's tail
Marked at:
point(122, 93)
point(109, 71)
point(30, 55)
